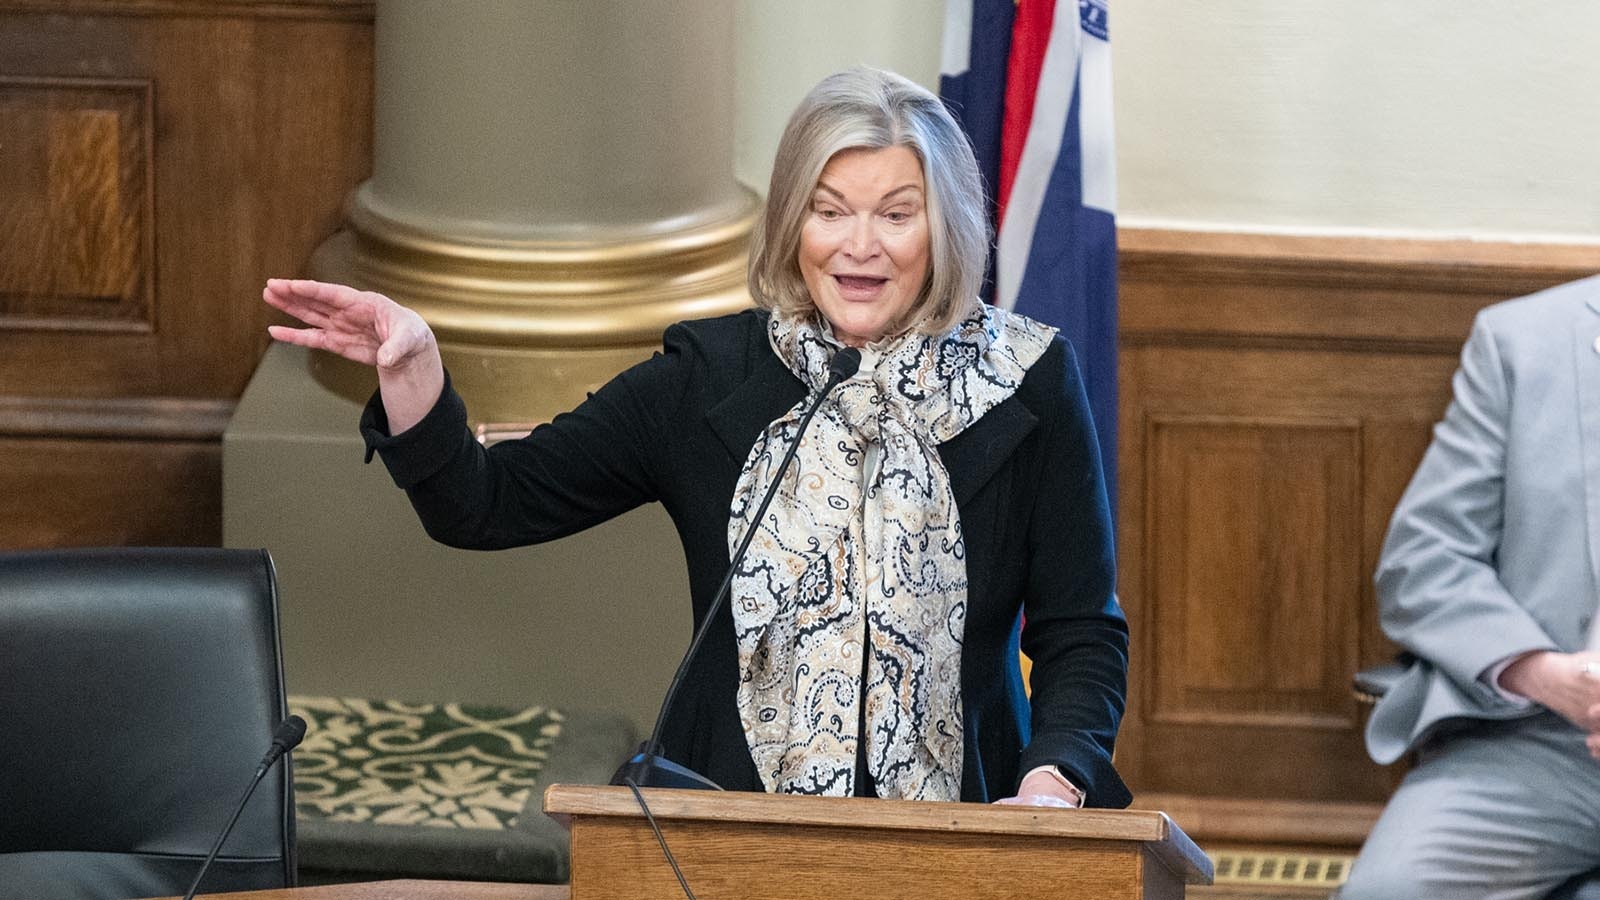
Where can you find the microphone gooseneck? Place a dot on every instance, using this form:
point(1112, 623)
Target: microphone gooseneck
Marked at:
point(646, 768)
point(290, 733)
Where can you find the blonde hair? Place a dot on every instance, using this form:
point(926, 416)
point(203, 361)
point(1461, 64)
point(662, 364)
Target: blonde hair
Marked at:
point(864, 108)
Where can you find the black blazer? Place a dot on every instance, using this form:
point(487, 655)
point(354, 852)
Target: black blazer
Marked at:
point(677, 428)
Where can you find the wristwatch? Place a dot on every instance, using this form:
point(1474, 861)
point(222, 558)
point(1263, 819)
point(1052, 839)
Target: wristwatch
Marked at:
point(1075, 792)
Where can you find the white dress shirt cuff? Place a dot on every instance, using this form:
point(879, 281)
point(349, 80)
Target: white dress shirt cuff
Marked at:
point(1491, 677)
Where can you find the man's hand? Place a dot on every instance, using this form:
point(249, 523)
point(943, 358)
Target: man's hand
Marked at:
point(1568, 683)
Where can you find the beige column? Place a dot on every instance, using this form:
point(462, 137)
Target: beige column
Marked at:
point(552, 186)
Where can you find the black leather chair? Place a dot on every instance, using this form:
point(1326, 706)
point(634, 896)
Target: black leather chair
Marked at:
point(139, 689)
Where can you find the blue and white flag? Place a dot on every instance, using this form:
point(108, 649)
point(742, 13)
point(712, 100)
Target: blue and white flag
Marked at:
point(1030, 81)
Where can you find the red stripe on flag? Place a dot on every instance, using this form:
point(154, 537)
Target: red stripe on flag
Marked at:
point(1030, 37)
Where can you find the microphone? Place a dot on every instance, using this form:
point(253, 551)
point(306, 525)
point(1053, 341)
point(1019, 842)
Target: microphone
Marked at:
point(288, 736)
point(290, 733)
point(648, 768)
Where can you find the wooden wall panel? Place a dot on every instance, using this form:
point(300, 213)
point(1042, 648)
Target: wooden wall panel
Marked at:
point(67, 492)
point(77, 221)
point(1276, 395)
point(159, 160)
point(1221, 495)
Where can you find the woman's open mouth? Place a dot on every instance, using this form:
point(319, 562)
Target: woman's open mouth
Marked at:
point(859, 287)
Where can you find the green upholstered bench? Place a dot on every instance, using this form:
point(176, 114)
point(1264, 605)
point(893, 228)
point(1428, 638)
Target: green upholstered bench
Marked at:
point(441, 790)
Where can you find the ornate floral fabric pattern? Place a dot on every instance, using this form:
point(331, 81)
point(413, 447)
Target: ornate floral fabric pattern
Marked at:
point(862, 547)
point(393, 763)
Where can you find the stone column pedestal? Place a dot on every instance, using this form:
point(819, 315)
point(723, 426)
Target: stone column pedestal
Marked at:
point(553, 185)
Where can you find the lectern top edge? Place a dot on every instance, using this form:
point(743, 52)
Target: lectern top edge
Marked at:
point(1155, 836)
point(562, 801)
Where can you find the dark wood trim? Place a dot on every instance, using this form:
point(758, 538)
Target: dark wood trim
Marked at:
point(68, 323)
point(139, 418)
point(347, 10)
point(1226, 340)
point(1210, 820)
point(74, 82)
point(1355, 294)
point(1347, 262)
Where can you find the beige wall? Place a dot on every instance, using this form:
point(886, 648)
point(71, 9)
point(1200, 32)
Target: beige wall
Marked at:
point(1440, 117)
point(785, 48)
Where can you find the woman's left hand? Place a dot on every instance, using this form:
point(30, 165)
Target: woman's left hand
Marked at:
point(1039, 788)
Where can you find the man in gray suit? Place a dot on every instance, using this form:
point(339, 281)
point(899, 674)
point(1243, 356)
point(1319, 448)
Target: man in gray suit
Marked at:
point(1490, 576)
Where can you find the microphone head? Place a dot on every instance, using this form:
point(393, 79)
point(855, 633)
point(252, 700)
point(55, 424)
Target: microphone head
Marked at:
point(290, 733)
point(844, 364)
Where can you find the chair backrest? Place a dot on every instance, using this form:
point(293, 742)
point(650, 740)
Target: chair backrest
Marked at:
point(139, 689)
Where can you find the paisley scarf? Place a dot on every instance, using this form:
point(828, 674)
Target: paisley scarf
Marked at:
point(862, 552)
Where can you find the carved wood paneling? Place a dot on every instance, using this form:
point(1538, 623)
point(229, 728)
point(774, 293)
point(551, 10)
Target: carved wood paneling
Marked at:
point(1276, 394)
point(76, 223)
point(247, 166)
point(160, 160)
point(1222, 493)
point(117, 472)
point(58, 492)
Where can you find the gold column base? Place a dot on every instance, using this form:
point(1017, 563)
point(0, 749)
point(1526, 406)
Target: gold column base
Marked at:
point(529, 328)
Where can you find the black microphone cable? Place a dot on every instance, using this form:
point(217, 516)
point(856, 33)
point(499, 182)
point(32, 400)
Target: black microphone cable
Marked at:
point(671, 860)
point(841, 368)
point(288, 736)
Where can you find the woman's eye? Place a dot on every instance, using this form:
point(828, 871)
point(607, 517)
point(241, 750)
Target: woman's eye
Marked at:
point(827, 215)
point(899, 217)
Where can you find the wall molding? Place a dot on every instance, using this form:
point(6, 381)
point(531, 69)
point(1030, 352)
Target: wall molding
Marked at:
point(1289, 292)
point(1412, 263)
point(348, 10)
point(1315, 823)
point(139, 418)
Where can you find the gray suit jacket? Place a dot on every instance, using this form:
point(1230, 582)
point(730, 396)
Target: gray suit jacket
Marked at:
point(1494, 547)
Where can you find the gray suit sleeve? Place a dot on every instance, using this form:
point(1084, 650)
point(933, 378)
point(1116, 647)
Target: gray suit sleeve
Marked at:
point(1439, 594)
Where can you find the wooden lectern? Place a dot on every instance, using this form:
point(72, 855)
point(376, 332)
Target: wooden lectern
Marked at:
point(761, 846)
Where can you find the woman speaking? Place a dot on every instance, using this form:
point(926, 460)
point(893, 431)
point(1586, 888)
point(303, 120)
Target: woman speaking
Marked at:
point(950, 485)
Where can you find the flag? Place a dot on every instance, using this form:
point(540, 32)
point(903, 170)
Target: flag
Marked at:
point(1030, 82)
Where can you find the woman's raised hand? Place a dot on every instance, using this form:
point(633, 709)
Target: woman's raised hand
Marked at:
point(361, 326)
point(370, 329)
